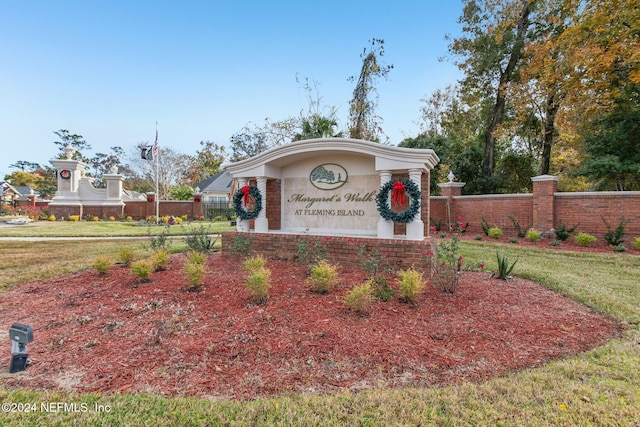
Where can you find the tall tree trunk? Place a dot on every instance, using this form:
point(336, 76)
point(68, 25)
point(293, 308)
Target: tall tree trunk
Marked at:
point(549, 133)
point(497, 114)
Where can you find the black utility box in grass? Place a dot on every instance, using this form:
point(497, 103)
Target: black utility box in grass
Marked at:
point(20, 335)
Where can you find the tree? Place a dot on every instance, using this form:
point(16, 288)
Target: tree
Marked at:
point(364, 124)
point(101, 164)
point(26, 179)
point(73, 140)
point(25, 166)
point(205, 163)
point(495, 34)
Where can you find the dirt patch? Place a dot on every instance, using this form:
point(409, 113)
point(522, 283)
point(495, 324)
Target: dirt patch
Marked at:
point(108, 333)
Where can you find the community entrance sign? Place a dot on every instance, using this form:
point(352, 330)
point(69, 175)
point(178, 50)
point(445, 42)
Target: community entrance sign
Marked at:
point(329, 186)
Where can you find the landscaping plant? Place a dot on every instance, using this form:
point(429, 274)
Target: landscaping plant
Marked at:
point(495, 232)
point(533, 235)
point(323, 277)
point(410, 284)
point(614, 238)
point(584, 239)
point(200, 240)
point(562, 232)
point(126, 256)
point(159, 259)
point(360, 298)
point(504, 268)
point(516, 225)
point(142, 269)
point(258, 284)
point(195, 269)
point(253, 263)
point(102, 264)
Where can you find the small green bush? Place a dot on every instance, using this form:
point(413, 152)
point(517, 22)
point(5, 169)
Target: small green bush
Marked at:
point(195, 272)
point(258, 284)
point(200, 240)
point(584, 239)
point(253, 263)
point(563, 233)
point(478, 237)
point(513, 240)
point(159, 259)
point(533, 235)
point(102, 264)
point(360, 298)
point(495, 232)
point(241, 244)
point(323, 276)
point(142, 269)
point(636, 243)
point(126, 256)
point(619, 248)
point(410, 284)
point(196, 257)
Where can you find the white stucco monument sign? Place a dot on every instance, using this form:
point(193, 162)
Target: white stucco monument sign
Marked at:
point(329, 186)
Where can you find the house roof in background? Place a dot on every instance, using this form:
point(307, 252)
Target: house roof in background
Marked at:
point(218, 183)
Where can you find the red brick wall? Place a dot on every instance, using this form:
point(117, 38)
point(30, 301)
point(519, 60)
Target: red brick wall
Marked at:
point(588, 209)
point(340, 249)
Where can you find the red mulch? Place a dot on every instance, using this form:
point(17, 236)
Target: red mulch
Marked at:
point(106, 333)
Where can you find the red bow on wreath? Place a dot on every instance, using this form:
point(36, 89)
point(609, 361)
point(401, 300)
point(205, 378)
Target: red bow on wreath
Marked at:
point(246, 196)
point(398, 192)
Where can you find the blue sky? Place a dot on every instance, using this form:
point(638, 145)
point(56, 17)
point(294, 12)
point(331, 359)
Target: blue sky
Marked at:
point(108, 70)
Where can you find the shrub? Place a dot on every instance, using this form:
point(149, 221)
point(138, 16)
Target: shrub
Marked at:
point(159, 259)
point(112, 218)
point(95, 218)
point(323, 276)
point(200, 240)
point(159, 241)
point(410, 284)
point(381, 289)
point(516, 225)
point(636, 243)
point(614, 237)
point(218, 218)
point(74, 218)
point(309, 252)
point(504, 268)
point(619, 248)
point(477, 237)
point(360, 298)
point(129, 218)
point(584, 239)
point(495, 232)
point(254, 263)
point(51, 218)
point(513, 240)
point(195, 269)
point(142, 269)
point(446, 273)
point(485, 226)
point(258, 284)
point(126, 255)
point(563, 233)
point(102, 264)
point(533, 235)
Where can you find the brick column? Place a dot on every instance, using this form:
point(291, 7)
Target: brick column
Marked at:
point(544, 188)
point(197, 210)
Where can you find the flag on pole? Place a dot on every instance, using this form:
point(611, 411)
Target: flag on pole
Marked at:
point(155, 146)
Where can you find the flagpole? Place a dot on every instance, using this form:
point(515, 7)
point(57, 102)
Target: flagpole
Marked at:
point(156, 153)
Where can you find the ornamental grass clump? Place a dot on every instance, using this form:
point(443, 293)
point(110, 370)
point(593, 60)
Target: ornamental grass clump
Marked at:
point(258, 283)
point(360, 298)
point(323, 276)
point(585, 239)
point(636, 243)
point(102, 264)
point(410, 284)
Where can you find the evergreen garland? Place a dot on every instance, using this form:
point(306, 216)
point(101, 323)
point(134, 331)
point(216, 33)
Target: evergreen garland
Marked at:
point(385, 211)
point(238, 207)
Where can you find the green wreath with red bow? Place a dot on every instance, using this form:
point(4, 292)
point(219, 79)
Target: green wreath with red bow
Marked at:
point(241, 199)
point(400, 188)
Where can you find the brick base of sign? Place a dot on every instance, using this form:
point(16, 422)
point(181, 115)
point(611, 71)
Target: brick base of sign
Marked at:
point(346, 251)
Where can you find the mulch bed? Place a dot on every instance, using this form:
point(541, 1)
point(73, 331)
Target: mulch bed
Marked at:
point(109, 333)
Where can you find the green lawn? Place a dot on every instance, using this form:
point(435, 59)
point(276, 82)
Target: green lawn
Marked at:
point(108, 228)
point(600, 387)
